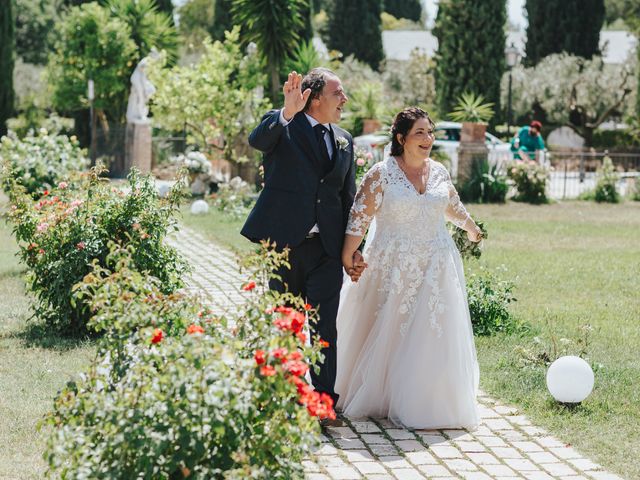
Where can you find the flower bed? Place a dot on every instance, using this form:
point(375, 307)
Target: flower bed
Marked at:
point(176, 393)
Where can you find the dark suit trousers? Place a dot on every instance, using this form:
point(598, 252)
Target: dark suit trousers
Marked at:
point(317, 278)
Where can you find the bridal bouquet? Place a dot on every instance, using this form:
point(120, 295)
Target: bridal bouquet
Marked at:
point(466, 247)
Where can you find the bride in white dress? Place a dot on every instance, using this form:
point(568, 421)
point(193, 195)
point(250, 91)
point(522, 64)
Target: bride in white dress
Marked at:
point(405, 341)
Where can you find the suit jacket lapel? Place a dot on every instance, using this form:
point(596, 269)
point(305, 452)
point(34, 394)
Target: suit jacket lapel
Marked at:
point(308, 142)
point(338, 152)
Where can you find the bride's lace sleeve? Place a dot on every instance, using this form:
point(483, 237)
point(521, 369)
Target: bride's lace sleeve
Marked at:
point(367, 201)
point(455, 211)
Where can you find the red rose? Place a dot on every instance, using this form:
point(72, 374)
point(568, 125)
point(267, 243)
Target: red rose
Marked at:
point(296, 367)
point(247, 287)
point(294, 356)
point(195, 329)
point(267, 371)
point(259, 356)
point(323, 343)
point(280, 353)
point(307, 307)
point(157, 336)
point(80, 245)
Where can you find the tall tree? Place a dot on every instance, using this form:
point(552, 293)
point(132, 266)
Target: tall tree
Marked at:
point(34, 23)
point(470, 55)
point(222, 19)
point(7, 45)
point(274, 26)
point(411, 9)
point(354, 29)
point(571, 26)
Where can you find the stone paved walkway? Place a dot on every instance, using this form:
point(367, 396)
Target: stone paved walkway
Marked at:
point(506, 445)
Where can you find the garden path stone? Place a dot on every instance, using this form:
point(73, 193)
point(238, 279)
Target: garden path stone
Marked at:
point(505, 444)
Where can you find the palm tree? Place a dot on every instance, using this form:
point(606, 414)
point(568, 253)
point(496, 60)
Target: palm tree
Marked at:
point(274, 26)
point(149, 26)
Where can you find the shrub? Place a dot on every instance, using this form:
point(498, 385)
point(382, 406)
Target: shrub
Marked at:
point(234, 198)
point(202, 401)
point(71, 226)
point(606, 183)
point(489, 298)
point(487, 184)
point(39, 161)
point(530, 179)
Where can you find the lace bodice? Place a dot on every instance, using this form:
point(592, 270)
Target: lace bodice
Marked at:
point(386, 194)
point(411, 244)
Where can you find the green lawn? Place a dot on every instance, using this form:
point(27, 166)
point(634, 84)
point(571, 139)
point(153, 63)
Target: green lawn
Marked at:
point(33, 367)
point(573, 264)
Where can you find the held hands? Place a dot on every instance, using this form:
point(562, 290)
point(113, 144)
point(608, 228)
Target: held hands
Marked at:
point(354, 266)
point(294, 98)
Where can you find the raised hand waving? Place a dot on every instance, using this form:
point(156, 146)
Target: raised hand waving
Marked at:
point(294, 98)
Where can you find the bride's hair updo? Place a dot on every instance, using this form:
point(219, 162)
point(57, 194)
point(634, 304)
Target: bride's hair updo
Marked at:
point(402, 124)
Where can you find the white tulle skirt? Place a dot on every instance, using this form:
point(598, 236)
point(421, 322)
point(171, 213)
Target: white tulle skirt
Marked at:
point(417, 366)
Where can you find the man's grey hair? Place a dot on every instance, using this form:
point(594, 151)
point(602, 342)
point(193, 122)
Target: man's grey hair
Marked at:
point(316, 79)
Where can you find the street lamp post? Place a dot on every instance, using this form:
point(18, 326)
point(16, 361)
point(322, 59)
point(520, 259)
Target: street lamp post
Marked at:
point(92, 120)
point(512, 56)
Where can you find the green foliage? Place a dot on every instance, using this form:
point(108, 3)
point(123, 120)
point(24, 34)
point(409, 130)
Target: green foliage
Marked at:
point(92, 45)
point(72, 224)
point(227, 105)
point(486, 184)
point(607, 179)
point(389, 22)
point(234, 198)
point(489, 298)
point(354, 29)
point(150, 27)
point(573, 91)
point(202, 401)
point(7, 46)
point(35, 20)
point(304, 58)
point(222, 20)
point(274, 26)
point(470, 53)
point(472, 108)
point(413, 83)
point(555, 26)
point(530, 179)
point(410, 9)
point(196, 19)
point(40, 161)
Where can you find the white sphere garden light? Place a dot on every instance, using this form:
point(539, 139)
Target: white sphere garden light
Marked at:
point(570, 379)
point(199, 207)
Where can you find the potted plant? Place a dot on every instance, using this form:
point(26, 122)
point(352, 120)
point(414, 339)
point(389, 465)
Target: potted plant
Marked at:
point(366, 105)
point(474, 113)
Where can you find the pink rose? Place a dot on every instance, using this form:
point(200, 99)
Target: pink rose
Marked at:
point(62, 185)
point(360, 162)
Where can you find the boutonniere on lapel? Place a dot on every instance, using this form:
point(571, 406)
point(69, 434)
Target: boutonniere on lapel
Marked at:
point(342, 142)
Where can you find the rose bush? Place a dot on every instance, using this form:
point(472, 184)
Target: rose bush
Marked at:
point(178, 393)
point(530, 179)
point(72, 224)
point(40, 161)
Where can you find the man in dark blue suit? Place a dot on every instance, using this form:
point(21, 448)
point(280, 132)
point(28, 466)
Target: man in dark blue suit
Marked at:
point(309, 186)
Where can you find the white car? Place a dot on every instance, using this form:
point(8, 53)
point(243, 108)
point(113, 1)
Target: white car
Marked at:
point(447, 140)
